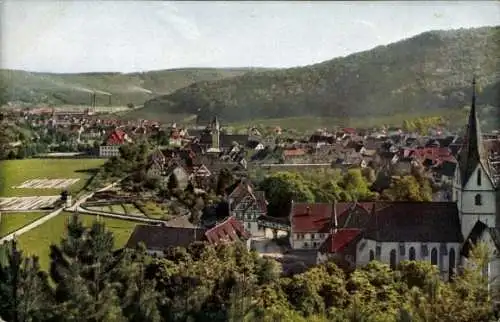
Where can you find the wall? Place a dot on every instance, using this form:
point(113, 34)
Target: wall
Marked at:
point(308, 242)
point(363, 253)
point(470, 213)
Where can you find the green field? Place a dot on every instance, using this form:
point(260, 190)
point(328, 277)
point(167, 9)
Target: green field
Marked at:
point(12, 221)
point(124, 209)
point(311, 123)
point(38, 240)
point(15, 172)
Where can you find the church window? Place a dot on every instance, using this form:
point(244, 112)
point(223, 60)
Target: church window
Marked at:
point(478, 200)
point(372, 255)
point(478, 177)
point(412, 254)
point(434, 256)
point(378, 252)
point(393, 259)
point(402, 249)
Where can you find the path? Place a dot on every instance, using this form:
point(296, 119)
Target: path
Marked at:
point(115, 215)
point(53, 214)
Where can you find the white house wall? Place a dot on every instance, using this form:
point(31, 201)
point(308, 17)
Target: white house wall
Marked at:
point(308, 242)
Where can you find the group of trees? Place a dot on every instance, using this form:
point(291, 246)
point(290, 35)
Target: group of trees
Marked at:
point(89, 281)
point(422, 125)
point(333, 185)
point(334, 87)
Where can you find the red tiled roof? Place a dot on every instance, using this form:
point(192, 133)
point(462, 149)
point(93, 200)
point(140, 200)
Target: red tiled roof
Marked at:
point(318, 218)
point(349, 130)
point(229, 230)
point(294, 152)
point(337, 242)
point(116, 137)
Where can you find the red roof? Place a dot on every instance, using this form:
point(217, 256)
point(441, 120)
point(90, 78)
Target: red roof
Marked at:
point(229, 230)
point(318, 217)
point(349, 130)
point(116, 137)
point(337, 242)
point(294, 152)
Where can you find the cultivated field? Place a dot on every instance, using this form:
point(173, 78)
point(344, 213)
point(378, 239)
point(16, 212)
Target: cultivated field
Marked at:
point(27, 203)
point(14, 173)
point(38, 240)
point(12, 221)
point(47, 183)
point(122, 209)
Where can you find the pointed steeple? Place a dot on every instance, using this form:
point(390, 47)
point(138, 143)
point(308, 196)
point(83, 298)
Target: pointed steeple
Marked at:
point(472, 153)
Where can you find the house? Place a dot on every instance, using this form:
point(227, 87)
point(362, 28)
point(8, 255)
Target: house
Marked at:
point(111, 145)
point(312, 223)
point(180, 172)
point(154, 169)
point(247, 205)
point(444, 172)
point(157, 239)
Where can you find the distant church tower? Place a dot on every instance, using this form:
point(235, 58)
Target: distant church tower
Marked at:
point(473, 186)
point(215, 132)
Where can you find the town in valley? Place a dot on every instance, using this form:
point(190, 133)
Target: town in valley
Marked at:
point(113, 209)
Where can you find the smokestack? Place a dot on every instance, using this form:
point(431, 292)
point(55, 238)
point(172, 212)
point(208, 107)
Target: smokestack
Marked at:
point(93, 100)
point(109, 102)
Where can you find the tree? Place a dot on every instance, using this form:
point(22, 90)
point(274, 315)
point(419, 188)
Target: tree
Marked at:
point(408, 188)
point(224, 180)
point(24, 288)
point(283, 187)
point(356, 186)
point(82, 267)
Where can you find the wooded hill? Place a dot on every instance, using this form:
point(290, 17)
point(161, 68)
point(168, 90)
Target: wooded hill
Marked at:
point(430, 71)
point(74, 89)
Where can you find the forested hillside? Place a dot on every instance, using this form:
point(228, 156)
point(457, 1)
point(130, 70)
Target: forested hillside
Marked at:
point(430, 71)
point(74, 89)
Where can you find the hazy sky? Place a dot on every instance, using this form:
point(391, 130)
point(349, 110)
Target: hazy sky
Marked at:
point(138, 36)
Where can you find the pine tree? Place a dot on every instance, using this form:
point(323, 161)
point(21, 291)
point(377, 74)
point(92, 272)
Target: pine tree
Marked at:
point(81, 267)
point(24, 289)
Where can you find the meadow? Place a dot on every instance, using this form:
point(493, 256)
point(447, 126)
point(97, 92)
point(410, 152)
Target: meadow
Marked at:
point(38, 240)
point(312, 123)
point(14, 172)
point(12, 221)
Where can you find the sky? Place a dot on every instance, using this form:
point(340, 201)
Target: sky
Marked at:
point(130, 36)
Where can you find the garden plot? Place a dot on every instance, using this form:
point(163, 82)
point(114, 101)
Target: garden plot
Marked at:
point(47, 183)
point(27, 203)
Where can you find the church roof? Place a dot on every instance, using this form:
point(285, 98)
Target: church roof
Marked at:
point(472, 154)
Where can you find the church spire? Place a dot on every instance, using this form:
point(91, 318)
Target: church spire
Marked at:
point(472, 153)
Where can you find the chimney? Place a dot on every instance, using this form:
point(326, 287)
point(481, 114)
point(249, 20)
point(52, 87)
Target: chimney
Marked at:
point(308, 210)
point(93, 100)
point(109, 102)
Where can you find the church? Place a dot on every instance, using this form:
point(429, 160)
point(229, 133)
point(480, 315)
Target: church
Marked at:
point(475, 191)
point(440, 232)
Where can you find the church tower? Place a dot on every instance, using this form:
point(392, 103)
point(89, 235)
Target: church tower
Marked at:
point(215, 132)
point(473, 186)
